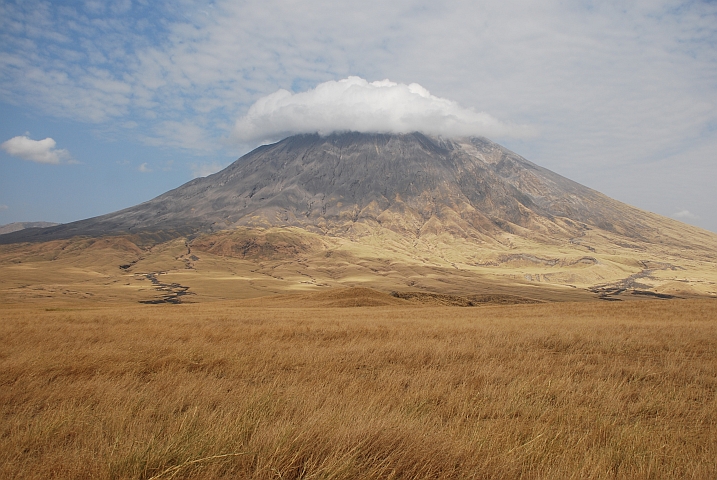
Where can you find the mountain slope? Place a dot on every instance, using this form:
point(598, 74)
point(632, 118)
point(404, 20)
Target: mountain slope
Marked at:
point(411, 184)
point(396, 212)
point(17, 226)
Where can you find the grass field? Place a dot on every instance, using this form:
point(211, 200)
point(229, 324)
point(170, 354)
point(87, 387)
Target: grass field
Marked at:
point(252, 263)
point(244, 390)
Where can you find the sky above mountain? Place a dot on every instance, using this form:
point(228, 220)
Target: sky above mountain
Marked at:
point(107, 104)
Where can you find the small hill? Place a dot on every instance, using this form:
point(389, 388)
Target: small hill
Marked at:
point(368, 297)
point(335, 297)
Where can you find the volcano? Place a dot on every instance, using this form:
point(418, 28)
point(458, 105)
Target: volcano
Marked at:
point(410, 183)
point(467, 201)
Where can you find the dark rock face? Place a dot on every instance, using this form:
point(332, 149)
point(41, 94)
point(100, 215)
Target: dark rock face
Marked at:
point(410, 183)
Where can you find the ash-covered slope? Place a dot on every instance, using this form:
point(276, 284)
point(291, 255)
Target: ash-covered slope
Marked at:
point(17, 226)
point(412, 184)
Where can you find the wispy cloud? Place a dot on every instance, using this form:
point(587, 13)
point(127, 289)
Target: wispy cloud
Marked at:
point(40, 151)
point(354, 104)
point(204, 169)
point(144, 168)
point(685, 215)
point(72, 62)
point(609, 85)
point(3, 207)
point(603, 83)
point(185, 135)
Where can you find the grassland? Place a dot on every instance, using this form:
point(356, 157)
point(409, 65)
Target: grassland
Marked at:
point(252, 263)
point(298, 390)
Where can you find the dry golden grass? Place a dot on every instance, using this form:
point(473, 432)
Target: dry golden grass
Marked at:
point(250, 263)
point(225, 390)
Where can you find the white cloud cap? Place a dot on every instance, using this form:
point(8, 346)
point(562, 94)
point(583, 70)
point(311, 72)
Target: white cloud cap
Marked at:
point(354, 104)
point(41, 151)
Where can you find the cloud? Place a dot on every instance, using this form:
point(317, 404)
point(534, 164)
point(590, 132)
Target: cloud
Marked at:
point(66, 63)
point(121, 6)
point(95, 6)
point(354, 104)
point(144, 168)
point(204, 169)
point(185, 135)
point(685, 215)
point(40, 151)
point(604, 83)
point(611, 85)
point(3, 207)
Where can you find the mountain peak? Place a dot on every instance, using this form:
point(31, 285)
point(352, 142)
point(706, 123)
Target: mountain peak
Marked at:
point(433, 213)
point(412, 184)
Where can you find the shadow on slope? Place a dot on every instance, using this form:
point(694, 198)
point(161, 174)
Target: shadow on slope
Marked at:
point(368, 297)
point(335, 297)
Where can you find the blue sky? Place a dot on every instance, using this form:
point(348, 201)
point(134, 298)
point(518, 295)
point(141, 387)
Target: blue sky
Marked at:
point(139, 97)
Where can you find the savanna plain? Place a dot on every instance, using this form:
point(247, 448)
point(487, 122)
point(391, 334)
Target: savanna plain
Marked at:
point(264, 389)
